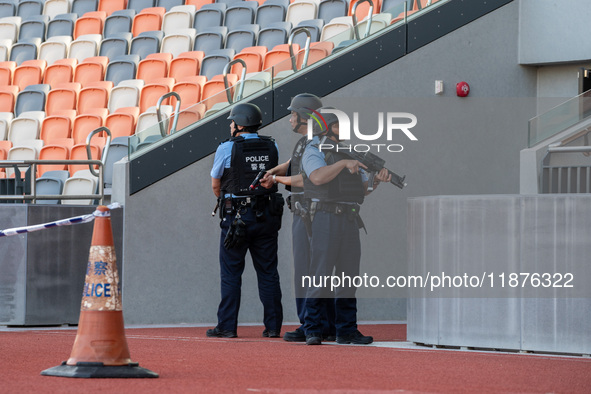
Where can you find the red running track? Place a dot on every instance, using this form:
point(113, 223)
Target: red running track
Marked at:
point(189, 362)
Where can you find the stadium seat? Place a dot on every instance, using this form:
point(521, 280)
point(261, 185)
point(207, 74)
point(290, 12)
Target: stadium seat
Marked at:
point(178, 42)
point(94, 96)
point(210, 39)
point(53, 8)
point(32, 98)
point(155, 66)
point(189, 91)
point(57, 127)
point(180, 17)
point(378, 22)
point(50, 184)
point(90, 70)
point(314, 27)
point(89, 23)
point(54, 48)
point(9, 27)
point(338, 30)
point(29, 7)
point(209, 15)
point(153, 91)
point(169, 4)
point(214, 90)
point(198, 3)
point(145, 43)
point(8, 97)
point(118, 22)
point(83, 125)
point(190, 115)
point(122, 124)
point(6, 72)
point(25, 127)
point(25, 50)
point(33, 26)
point(270, 13)
point(62, 97)
point(301, 11)
point(214, 63)
point(5, 47)
point(118, 149)
point(149, 19)
point(85, 46)
point(81, 7)
point(125, 94)
point(61, 71)
point(253, 82)
point(30, 72)
point(122, 68)
point(5, 121)
point(7, 9)
point(240, 13)
point(274, 34)
point(242, 37)
point(318, 51)
point(79, 184)
point(110, 6)
point(329, 9)
point(362, 10)
point(61, 25)
point(185, 64)
point(20, 153)
point(52, 152)
point(253, 57)
point(147, 122)
point(116, 45)
point(279, 58)
point(139, 5)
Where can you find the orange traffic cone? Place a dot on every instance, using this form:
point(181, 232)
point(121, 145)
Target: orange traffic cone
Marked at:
point(100, 349)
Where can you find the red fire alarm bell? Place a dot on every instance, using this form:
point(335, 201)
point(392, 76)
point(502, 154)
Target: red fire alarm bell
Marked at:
point(462, 89)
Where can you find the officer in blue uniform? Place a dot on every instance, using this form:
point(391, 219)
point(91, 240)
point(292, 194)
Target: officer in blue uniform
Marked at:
point(288, 173)
point(336, 187)
point(250, 220)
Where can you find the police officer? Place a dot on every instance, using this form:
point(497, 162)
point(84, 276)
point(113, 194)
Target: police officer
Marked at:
point(288, 173)
point(250, 220)
point(336, 188)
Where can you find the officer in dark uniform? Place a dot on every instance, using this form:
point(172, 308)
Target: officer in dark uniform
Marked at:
point(288, 173)
point(251, 219)
point(336, 187)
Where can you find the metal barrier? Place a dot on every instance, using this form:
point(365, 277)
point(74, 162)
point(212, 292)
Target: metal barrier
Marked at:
point(227, 68)
point(174, 115)
point(370, 15)
point(294, 65)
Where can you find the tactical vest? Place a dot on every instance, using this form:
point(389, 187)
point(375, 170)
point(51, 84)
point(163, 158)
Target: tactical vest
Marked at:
point(345, 187)
point(295, 163)
point(249, 157)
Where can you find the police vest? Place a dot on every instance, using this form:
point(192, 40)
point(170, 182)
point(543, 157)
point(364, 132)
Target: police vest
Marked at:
point(345, 187)
point(295, 163)
point(249, 157)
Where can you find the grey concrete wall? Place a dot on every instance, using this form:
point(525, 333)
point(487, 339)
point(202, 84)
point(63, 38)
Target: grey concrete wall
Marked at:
point(465, 146)
point(552, 31)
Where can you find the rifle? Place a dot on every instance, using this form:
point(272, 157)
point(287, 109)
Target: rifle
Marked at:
point(373, 163)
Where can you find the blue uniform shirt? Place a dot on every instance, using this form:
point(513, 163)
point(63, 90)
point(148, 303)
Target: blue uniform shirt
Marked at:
point(313, 159)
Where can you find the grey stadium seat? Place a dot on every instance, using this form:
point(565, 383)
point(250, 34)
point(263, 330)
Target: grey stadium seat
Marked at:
point(33, 26)
point(314, 26)
point(61, 25)
point(214, 63)
point(25, 50)
point(118, 22)
point(210, 15)
point(139, 5)
point(274, 34)
point(146, 43)
point(29, 8)
point(329, 9)
point(122, 69)
point(270, 13)
point(81, 7)
point(242, 37)
point(31, 98)
point(7, 8)
point(116, 45)
point(210, 39)
point(239, 14)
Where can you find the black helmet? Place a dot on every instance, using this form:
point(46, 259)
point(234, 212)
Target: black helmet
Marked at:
point(246, 115)
point(303, 103)
point(322, 125)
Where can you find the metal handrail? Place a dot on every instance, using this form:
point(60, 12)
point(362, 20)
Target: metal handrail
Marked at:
point(294, 65)
point(105, 150)
point(368, 28)
point(33, 168)
point(177, 108)
point(242, 77)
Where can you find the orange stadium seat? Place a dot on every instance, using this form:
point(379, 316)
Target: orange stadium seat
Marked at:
point(189, 116)
point(78, 152)
point(198, 3)
point(212, 90)
point(189, 89)
point(318, 51)
point(186, 64)
point(96, 95)
point(83, 125)
point(363, 9)
point(253, 57)
point(279, 58)
point(122, 122)
point(154, 66)
point(90, 23)
point(61, 71)
point(6, 72)
point(8, 97)
point(91, 70)
point(110, 6)
point(153, 91)
point(58, 126)
point(52, 152)
point(30, 72)
point(149, 19)
point(62, 97)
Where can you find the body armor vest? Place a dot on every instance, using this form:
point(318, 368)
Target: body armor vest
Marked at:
point(345, 187)
point(249, 157)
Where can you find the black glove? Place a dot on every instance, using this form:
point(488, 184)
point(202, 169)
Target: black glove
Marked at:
point(236, 234)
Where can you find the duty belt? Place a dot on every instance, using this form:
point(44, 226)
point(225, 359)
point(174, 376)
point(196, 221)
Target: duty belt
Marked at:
point(336, 207)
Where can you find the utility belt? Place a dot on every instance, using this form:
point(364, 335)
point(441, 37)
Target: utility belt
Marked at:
point(271, 203)
point(295, 201)
point(337, 208)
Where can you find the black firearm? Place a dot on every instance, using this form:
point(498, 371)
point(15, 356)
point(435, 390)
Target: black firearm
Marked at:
point(256, 181)
point(373, 163)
